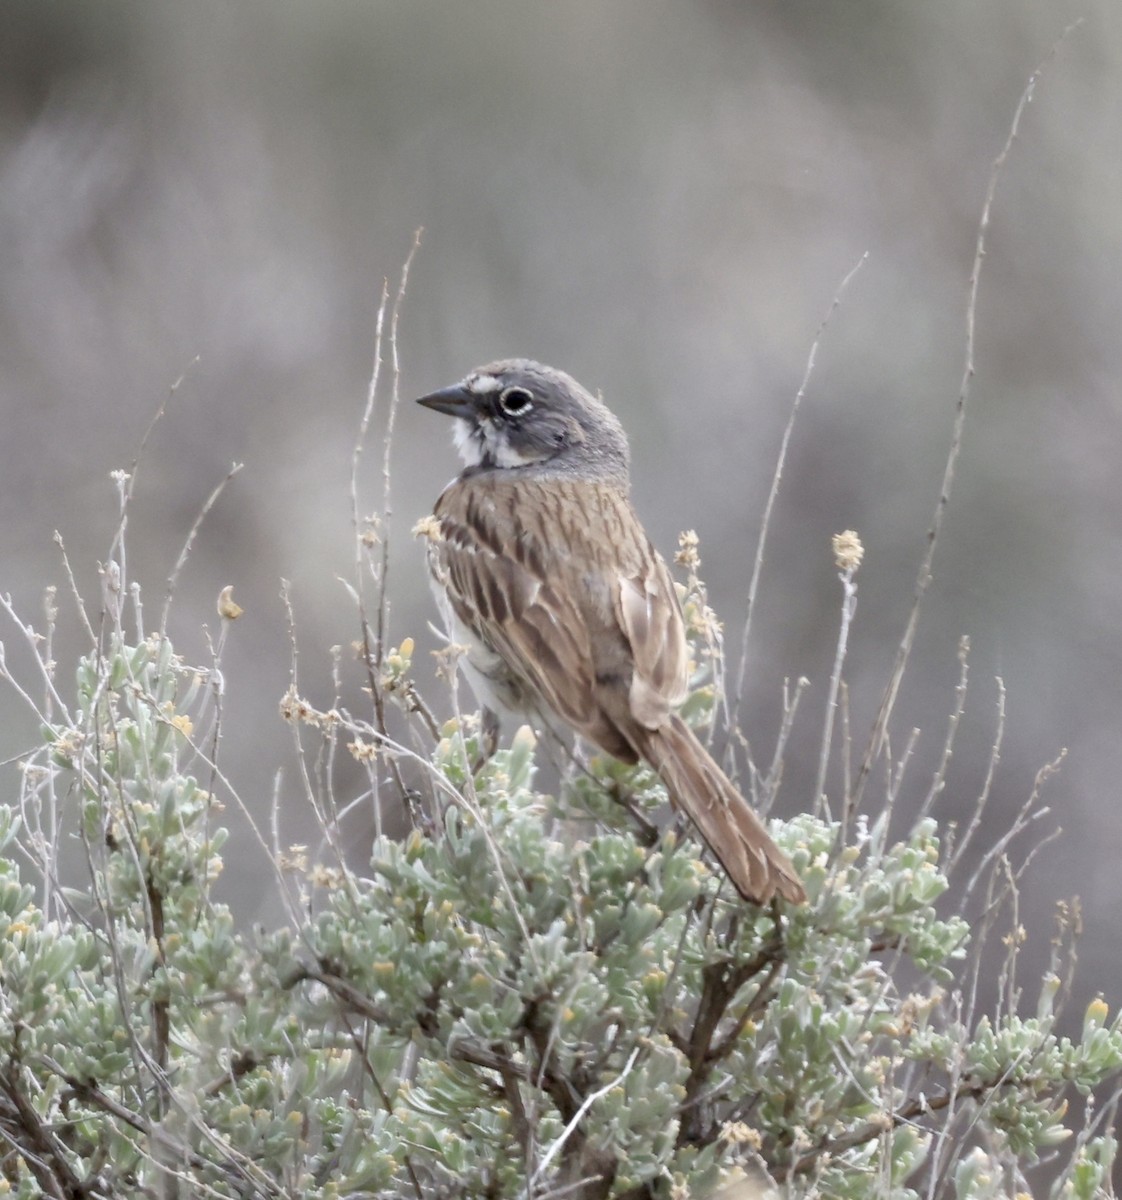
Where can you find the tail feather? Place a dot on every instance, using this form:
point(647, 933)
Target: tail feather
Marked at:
point(757, 867)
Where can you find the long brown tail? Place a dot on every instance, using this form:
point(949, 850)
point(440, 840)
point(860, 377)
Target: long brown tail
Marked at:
point(697, 786)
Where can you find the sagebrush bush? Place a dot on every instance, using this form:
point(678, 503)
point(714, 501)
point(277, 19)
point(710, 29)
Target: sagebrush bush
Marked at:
point(524, 995)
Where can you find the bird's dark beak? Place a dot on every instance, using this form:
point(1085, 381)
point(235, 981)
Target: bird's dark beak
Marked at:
point(454, 401)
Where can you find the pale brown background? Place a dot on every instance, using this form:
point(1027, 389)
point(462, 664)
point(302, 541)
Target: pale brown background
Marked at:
point(659, 197)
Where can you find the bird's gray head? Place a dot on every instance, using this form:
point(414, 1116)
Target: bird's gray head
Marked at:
point(519, 415)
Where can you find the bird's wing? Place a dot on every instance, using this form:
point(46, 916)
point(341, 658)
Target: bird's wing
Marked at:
point(651, 619)
point(560, 580)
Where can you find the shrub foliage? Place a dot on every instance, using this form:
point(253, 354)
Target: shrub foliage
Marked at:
point(521, 995)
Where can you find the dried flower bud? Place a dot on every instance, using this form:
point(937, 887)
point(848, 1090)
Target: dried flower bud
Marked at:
point(848, 551)
point(228, 608)
point(688, 555)
point(428, 527)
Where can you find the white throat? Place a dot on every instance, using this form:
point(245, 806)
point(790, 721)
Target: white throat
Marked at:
point(476, 441)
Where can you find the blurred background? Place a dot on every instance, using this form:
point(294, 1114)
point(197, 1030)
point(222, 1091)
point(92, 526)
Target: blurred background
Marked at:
point(662, 199)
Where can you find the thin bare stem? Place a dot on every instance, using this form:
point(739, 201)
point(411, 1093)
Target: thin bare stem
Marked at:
point(369, 532)
point(79, 603)
point(128, 482)
point(987, 786)
point(395, 400)
point(1028, 813)
point(773, 491)
point(364, 426)
point(765, 795)
point(180, 562)
point(849, 605)
point(939, 776)
point(578, 1116)
point(924, 575)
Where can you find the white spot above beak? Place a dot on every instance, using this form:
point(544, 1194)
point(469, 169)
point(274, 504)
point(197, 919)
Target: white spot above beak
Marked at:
point(481, 385)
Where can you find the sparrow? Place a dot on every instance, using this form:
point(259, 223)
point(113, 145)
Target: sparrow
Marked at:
point(545, 574)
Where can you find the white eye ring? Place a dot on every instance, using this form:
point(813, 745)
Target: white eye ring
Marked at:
point(516, 401)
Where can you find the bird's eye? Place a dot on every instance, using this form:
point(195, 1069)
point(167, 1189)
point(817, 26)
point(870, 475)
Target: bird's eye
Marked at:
point(516, 402)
